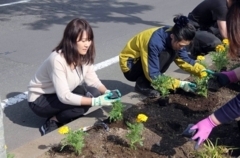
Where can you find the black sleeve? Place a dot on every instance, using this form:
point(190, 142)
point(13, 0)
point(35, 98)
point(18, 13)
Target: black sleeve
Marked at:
point(220, 10)
point(229, 111)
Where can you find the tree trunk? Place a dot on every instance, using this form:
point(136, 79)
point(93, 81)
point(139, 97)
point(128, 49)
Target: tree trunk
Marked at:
point(2, 140)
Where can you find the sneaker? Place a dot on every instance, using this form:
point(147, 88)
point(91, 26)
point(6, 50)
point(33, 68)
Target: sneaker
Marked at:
point(143, 86)
point(49, 126)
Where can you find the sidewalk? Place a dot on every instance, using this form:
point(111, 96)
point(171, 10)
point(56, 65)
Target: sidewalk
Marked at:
point(41, 145)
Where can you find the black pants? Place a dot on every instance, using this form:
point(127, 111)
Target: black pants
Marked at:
point(206, 38)
point(48, 105)
point(136, 70)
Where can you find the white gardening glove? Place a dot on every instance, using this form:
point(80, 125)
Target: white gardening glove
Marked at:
point(188, 86)
point(103, 100)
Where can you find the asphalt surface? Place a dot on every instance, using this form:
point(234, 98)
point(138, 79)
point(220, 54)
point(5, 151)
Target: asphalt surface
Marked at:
point(30, 30)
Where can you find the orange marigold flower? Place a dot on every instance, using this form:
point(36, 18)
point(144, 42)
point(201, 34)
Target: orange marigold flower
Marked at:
point(220, 48)
point(63, 130)
point(225, 42)
point(141, 118)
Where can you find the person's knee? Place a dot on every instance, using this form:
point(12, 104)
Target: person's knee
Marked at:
point(94, 91)
point(215, 42)
point(71, 114)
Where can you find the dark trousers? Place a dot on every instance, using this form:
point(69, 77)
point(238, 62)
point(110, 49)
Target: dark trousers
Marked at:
point(48, 105)
point(136, 70)
point(206, 38)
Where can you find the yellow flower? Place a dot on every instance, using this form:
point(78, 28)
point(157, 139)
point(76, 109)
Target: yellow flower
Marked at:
point(141, 118)
point(220, 48)
point(225, 42)
point(200, 57)
point(63, 130)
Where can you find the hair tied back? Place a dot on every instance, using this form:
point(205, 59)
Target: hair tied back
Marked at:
point(181, 21)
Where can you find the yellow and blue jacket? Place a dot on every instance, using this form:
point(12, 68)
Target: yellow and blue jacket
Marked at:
point(147, 46)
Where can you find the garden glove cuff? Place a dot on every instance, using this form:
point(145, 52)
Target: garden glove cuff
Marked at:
point(231, 76)
point(203, 129)
point(104, 100)
point(187, 86)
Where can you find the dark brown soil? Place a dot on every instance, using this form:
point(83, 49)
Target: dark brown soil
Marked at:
point(162, 134)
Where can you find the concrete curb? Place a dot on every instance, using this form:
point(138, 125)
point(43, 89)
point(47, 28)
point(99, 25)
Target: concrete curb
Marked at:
point(40, 146)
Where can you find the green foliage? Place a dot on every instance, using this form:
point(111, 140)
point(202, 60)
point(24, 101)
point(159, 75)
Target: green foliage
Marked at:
point(135, 134)
point(74, 139)
point(162, 84)
point(116, 114)
point(219, 58)
point(202, 86)
point(211, 150)
point(9, 155)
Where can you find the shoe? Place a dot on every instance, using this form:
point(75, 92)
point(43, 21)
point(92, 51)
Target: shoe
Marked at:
point(49, 126)
point(143, 86)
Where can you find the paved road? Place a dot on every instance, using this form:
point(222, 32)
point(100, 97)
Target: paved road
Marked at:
point(31, 29)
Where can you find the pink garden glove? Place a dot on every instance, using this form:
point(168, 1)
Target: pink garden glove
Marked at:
point(204, 128)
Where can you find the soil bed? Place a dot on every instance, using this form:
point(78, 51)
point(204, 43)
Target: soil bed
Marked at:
point(162, 133)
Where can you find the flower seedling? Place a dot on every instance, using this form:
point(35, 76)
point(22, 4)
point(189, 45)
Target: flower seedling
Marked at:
point(135, 134)
point(162, 84)
point(73, 138)
point(219, 57)
point(213, 151)
point(202, 84)
point(116, 114)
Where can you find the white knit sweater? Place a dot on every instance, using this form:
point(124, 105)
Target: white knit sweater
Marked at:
point(56, 76)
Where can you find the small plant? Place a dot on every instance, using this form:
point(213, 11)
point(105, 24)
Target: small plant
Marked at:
point(73, 138)
point(202, 86)
point(219, 57)
point(211, 150)
point(162, 84)
point(116, 114)
point(135, 134)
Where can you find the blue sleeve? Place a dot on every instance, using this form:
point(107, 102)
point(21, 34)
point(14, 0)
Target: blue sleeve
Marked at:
point(183, 54)
point(155, 47)
point(154, 50)
point(229, 111)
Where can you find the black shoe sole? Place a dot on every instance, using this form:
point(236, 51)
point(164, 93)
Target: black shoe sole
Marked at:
point(42, 131)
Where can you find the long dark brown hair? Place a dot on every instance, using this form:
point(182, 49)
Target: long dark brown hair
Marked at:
point(68, 44)
point(233, 28)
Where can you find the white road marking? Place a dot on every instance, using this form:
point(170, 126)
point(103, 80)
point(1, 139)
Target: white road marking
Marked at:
point(12, 3)
point(20, 97)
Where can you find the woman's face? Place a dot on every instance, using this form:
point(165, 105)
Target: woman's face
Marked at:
point(83, 44)
point(178, 45)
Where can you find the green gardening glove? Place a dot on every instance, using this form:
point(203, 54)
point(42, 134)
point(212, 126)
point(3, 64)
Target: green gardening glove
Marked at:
point(209, 72)
point(104, 100)
point(114, 93)
point(188, 86)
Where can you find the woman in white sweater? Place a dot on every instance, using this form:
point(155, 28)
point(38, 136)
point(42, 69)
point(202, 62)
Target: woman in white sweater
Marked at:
point(65, 86)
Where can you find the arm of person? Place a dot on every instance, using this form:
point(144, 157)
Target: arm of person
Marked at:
point(189, 65)
point(237, 72)
point(228, 112)
point(150, 60)
point(222, 28)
